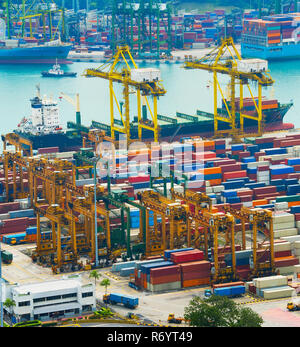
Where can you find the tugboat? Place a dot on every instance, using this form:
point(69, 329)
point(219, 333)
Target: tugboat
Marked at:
point(57, 72)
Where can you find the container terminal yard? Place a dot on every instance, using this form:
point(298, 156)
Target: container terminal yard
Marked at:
point(123, 222)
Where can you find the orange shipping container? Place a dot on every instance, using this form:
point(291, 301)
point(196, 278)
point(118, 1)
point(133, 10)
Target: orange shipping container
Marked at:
point(259, 202)
point(293, 203)
point(267, 107)
point(211, 170)
point(215, 182)
point(196, 282)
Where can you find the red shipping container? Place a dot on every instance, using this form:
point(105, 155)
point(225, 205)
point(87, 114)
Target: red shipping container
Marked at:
point(236, 174)
point(230, 168)
point(252, 288)
point(165, 279)
point(243, 274)
point(203, 265)
point(224, 162)
point(47, 150)
point(9, 206)
point(297, 216)
point(243, 267)
point(263, 168)
point(187, 256)
point(283, 254)
point(165, 271)
point(286, 261)
point(264, 190)
point(228, 284)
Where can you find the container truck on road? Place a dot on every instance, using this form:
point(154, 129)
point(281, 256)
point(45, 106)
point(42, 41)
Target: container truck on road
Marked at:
point(127, 300)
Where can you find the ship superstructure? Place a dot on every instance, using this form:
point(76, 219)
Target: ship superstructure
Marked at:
point(44, 117)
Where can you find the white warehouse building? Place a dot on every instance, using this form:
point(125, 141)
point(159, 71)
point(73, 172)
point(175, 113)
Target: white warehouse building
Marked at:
point(51, 299)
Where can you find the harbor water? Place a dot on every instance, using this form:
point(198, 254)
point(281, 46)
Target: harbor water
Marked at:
point(187, 91)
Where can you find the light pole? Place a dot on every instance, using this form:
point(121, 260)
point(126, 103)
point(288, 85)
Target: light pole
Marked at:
point(95, 161)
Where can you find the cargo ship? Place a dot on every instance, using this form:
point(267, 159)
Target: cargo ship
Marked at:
point(43, 127)
point(272, 37)
point(15, 52)
point(202, 123)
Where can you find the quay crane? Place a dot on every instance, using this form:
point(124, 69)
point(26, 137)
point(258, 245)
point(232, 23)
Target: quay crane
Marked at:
point(222, 60)
point(142, 83)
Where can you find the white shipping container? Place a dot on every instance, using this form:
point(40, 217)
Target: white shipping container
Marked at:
point(252, 65)
point(288, 232)
point(286, 270)
point(271, 281)
point(291, 239)
point(258, 164)
point(282, 226)
point(164, 286)
point(218, 189)
point(277, 293)
point(296, 244)
point(145, 75)
point(283, 217)
point(281, 206)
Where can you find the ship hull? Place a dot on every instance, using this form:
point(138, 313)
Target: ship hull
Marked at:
point(66, 74)
point(272, 119)
point(60, 140)
point(171, 132)
point(273, 53)
point(36, 55)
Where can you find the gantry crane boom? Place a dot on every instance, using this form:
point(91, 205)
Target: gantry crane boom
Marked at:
point(110, 72)
point(226, 60)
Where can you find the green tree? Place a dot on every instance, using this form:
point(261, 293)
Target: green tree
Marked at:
point(219, 311)
point(105, 283)
point(9, 304)
point(94, 274)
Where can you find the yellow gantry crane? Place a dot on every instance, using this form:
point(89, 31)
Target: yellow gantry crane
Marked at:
point(226, 60)
point(261, 221)
point(20, 143)
point(143, 82)
point(162, 236)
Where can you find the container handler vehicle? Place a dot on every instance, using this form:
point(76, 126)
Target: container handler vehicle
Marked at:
point(293, 306)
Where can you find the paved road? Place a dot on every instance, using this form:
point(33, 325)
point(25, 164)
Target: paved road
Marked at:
point(153, 307)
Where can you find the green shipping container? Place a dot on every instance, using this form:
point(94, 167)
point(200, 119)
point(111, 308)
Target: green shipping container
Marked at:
point(288, 198)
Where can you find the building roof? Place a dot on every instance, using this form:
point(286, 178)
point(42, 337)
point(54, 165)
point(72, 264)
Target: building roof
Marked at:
point(47, 286)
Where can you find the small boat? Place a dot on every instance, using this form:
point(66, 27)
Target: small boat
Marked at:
point(57, 72)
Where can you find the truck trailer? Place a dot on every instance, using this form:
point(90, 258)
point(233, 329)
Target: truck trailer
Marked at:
point(127, 300)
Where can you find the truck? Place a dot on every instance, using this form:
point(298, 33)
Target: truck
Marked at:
point(127, 300)
point(6, 257)
point(231, 292)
